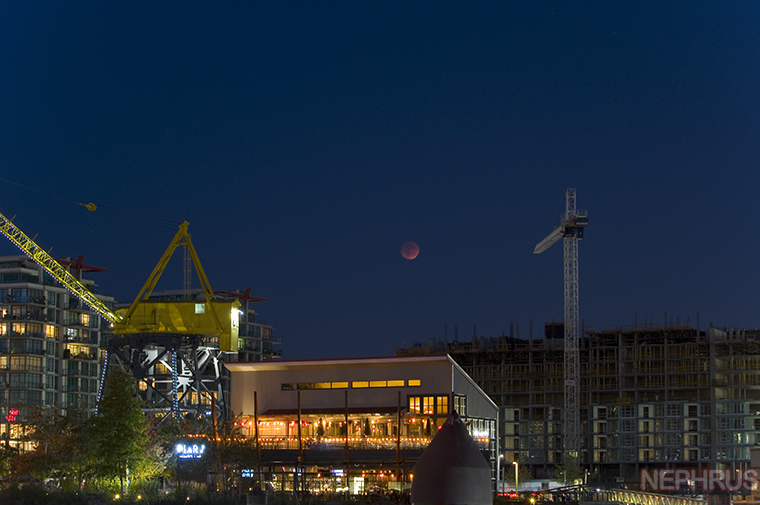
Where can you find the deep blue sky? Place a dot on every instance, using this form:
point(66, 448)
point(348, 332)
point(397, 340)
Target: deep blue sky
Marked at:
point(305, 143)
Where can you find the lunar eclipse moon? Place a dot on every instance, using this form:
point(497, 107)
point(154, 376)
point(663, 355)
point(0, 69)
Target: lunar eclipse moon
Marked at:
point(410, 250)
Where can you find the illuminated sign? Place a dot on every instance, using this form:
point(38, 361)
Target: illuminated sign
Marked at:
point(12, 413)
point(190, 451)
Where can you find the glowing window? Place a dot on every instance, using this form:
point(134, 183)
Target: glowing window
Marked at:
point(378, 384)
point(414, 404)
point(414, 382)
point(340, 385)
point(200, 308)
point(396, 384)
point(50, 331)
point(442, 405)
point(360, 384)
point(322, 385)
point(428, 403)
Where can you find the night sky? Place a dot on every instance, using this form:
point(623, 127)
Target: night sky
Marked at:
point(306, 142)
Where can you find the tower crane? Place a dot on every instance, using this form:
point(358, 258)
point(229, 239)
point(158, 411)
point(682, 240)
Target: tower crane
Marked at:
point(570, 229)
point(173, 335)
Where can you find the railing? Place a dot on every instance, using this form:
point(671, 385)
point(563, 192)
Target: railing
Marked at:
point(337, 443)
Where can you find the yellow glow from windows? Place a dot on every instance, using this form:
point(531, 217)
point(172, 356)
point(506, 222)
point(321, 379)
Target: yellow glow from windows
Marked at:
point(85, 319)
point(442, 405)
point(414, 382)
point(50, 331)
point(360, 384)
point(378, 384)
point(340, 385)
point(396, 384)
point(414, 405)
point(428, 402)
point(322, 385)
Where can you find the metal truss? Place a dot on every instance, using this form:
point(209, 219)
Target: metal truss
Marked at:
point(177, 376)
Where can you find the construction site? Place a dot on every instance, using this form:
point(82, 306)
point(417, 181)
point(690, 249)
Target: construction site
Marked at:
point(670, 397)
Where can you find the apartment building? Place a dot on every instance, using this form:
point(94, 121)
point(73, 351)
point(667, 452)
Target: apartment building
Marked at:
point(50, 343)
point(671, 397)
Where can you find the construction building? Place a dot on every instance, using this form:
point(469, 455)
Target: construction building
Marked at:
point(670, 397)
point(354, 425)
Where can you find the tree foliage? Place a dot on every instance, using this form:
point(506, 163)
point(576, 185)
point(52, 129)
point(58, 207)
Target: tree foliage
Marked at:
point(569, 471)
point(119, 433)
point(62, 451)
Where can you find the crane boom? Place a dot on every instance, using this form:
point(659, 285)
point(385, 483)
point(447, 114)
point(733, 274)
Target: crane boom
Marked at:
point(55, 269)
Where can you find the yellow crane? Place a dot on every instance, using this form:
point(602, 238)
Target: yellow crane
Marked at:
point(211, 316)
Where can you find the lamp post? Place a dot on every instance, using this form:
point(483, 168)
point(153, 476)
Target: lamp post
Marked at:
point(517, 471)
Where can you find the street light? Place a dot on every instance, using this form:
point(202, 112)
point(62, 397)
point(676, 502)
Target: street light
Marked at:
point(517, 470)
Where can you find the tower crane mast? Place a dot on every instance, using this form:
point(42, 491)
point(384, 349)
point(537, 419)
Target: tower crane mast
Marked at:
point(572, 224)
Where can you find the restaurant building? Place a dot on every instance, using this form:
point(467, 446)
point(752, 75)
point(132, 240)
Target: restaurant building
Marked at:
point(355, 425)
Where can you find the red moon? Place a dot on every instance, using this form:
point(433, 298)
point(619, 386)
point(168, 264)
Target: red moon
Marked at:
point(410, 250)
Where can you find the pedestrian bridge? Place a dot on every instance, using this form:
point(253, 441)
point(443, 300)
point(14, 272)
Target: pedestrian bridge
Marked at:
point(583, 495)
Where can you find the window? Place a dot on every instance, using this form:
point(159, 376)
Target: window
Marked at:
point(396, 384)
point(442, 405)
point(360, 384)
point(414, 405)
point(428, 404)
point(50, 331)
point(414, 382)
point(340, 385)
point(378, 384)
point(460, 405)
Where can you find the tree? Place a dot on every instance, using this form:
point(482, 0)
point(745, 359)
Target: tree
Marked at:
point(62, 452)
point(119, 432)
point(569, 471)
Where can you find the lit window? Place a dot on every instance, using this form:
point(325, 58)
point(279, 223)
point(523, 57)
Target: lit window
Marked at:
point(200, 308)
point(396, 384)
point(442, 405)
point(414, 404)
point(50, 331)
point(360, 384)
point(428, 403)
point(322, 385)
point(378, 384)
point(340, 385)
point(414, 382)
